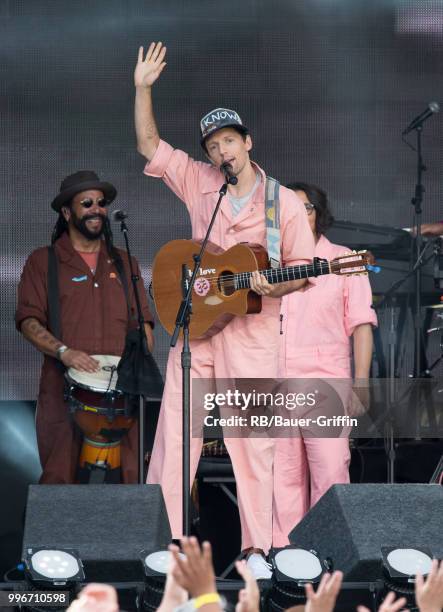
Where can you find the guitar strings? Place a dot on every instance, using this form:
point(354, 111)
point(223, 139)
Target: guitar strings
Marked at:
point(324, 265)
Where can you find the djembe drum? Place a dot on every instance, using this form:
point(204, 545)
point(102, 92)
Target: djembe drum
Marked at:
point(104, 416)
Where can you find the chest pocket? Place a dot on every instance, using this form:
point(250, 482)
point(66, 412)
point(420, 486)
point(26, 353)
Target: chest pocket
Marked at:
point(325, 302)
point(75, 295)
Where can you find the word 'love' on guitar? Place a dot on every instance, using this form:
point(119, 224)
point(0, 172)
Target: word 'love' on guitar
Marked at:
point(221, 289)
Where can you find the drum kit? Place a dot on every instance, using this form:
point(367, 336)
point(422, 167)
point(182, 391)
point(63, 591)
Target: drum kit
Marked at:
point(103, 414)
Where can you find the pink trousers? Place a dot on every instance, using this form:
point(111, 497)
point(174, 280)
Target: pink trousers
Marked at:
point(247, 347)
point(306, 467)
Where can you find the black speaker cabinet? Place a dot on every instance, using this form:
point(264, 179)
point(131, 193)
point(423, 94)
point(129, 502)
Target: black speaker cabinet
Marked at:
point(350, 524)
point(108, 524)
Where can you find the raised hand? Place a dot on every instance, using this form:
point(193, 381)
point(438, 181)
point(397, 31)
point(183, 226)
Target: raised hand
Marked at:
point(173, 595)
point(195, 574)
point(249, 597)
point(429, 592)
point(323, 600)
point(149, 69)
point(390, 604)
point(96, 598)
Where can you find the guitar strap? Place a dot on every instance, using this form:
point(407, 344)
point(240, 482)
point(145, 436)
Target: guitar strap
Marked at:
point(272, 220)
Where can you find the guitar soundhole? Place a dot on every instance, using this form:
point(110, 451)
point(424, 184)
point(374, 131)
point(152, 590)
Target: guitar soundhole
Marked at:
point(226, 283)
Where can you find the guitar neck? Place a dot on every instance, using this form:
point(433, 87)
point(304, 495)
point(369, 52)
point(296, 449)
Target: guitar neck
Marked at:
point(282, 275)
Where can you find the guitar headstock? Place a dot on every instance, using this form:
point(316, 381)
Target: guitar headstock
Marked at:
point(356, 262)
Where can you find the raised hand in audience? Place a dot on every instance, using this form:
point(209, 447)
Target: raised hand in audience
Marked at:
point(196, 572)
point(429, 591)
point(249, 597)
point(174, 595)
point(323, 600)
point(390, 604)
point(96, 598)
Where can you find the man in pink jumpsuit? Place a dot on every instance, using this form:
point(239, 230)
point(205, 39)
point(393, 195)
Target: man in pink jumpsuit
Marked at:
point(322, 320)
point(247, 346)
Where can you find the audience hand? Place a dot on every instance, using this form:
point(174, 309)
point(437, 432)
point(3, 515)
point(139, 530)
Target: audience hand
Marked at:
point(173, 595)
point(249, 597)
point(196, 572)
point(323, 600)
point(429, 592)
point(390, 604)
point(96, 598)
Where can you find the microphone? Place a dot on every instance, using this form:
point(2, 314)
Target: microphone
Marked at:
point(433, 107)
point(119, 215)
point(226, 168)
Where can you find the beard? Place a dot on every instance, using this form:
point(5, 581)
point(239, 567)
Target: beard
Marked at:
point(80, 224)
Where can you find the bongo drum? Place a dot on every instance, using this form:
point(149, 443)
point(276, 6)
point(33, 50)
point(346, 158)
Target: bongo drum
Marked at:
point(100, 411)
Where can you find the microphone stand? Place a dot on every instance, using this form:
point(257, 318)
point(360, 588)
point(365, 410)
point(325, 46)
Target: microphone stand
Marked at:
point(144, 344)
point(182, 321)
point(416, 202)
point(390, 299)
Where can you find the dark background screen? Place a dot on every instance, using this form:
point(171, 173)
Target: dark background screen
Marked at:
point(325, 87)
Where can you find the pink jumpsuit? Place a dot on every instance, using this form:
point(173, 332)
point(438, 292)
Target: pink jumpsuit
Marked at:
point(316, 325)
point(246, 347)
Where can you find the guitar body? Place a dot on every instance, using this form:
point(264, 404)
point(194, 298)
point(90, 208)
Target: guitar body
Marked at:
point(214, 300)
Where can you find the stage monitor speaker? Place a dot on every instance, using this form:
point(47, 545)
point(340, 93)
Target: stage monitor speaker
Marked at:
point(109, 525)
point(350, 524)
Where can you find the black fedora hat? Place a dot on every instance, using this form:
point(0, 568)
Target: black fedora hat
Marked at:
point(81, 181)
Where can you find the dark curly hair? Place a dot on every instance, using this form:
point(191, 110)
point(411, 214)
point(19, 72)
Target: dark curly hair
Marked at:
point(324, 218)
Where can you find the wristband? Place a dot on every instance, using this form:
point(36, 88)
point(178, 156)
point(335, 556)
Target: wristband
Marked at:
point(59, 352)
point(207, 598)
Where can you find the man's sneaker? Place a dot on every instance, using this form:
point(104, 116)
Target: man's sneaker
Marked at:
point(261, 570)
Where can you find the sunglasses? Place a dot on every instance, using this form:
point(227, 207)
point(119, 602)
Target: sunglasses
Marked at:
point(88, 202)
point(309, 208)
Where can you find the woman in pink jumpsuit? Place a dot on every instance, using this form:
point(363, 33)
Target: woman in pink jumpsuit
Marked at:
point(316, 331)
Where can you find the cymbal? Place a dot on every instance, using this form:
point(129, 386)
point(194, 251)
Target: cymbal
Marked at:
point(436, 306)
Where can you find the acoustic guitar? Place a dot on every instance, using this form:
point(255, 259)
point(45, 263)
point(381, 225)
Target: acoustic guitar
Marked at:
point(221, 289)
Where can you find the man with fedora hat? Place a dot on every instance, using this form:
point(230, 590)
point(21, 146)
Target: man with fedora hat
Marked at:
point(92, 315)
point(247, 346)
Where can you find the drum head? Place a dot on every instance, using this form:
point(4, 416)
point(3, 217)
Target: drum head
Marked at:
point(105, 379)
